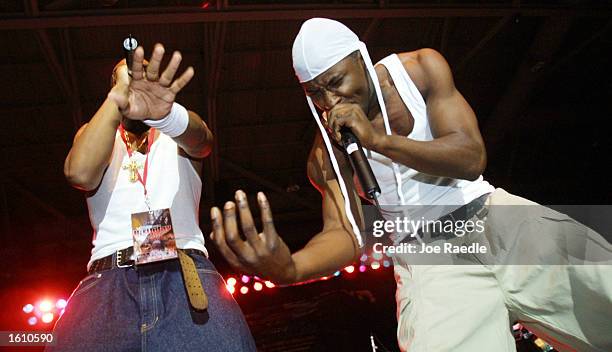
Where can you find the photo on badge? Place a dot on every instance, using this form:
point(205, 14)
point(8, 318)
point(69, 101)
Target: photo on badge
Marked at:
point(153, 236)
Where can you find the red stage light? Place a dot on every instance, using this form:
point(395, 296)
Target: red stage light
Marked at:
point(349, 269)
point(257, 286)
point(45, 306)
point(61, 303)
point(32, 320)
point(28, 308)
point(245, 279)
point(205, 5)
point(244, 290)
point(375, 265)
point(47, 318)
point(230, 288)
point(362, 268)
point(232, 281)
point(269, 284)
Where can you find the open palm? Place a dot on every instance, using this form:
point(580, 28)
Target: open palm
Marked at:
point(150, 95)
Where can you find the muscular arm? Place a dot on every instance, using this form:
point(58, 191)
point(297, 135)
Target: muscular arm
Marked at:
point(335, 246)
point(457, 149)
point(266, 255)
point(92, 148)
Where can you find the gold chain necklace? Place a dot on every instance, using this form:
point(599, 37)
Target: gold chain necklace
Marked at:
point(127, 138)
point(132, 166)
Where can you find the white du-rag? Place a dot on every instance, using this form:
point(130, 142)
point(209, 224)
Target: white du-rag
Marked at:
point(320, 44)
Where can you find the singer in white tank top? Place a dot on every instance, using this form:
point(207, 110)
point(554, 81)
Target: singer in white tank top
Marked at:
point(423, 141)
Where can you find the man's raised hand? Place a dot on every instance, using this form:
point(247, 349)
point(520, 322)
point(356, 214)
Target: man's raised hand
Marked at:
point(149, 94)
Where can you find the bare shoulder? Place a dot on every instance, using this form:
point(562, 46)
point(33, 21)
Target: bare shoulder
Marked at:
point(428, 69)
point(80, 131)
point(82, 128)
point(316, 159)
point(319, 167)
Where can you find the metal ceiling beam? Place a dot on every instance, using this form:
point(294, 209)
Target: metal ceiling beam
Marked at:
point(214, 42)
point(518, 94)
point(290, 120)
point(254, 147)
point(36, 201)
point(372, 26)
point(271, 172)
point(101, 18)
point(6, 219)
point(269, 184)
point(296, 217)
point(426, 35)
point(485, 39)
point(53, 61)
point(70, 69)
point(572, 54)
point(31, 8)
point(214, 45)
point(445, 34)
point(65, 75)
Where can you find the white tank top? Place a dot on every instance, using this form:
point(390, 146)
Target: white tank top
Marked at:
point(172, 182)
point(418, 188)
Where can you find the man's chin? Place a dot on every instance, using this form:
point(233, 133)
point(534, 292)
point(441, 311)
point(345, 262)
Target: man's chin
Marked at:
point(134, 126)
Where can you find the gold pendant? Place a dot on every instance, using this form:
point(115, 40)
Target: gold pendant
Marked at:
point(133, 168)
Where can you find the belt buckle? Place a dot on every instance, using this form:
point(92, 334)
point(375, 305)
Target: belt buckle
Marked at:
point(118, 261)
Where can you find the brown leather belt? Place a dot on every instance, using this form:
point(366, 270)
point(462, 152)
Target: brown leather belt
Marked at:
point(121, 259)
point(191, 279)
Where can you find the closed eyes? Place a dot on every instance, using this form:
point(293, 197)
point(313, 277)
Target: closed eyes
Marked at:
point(335, 82)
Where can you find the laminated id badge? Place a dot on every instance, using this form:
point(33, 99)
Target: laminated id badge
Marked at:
point(153, 236)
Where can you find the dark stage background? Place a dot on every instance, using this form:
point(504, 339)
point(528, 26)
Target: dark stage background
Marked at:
point(537, 73)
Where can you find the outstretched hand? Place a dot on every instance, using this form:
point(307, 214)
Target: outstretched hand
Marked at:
point(149, 95)
point(263, 254)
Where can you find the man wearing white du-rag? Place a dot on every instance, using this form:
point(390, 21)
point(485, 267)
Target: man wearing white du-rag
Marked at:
point(422, 141)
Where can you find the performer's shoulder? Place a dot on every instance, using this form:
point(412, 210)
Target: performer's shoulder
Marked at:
point(319, 168)
point(80, 131)
point(421, 56)
point(411, 61)
point(317, 156)
point(425, 66)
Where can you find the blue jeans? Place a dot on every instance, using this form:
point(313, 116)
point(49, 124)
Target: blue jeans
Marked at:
point(146, 309)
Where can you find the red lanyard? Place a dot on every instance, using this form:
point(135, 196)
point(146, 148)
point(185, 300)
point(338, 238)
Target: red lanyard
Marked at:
point(150, 139)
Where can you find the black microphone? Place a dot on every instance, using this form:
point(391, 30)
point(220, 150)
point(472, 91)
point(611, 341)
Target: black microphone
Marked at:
point(360, 163)
point(129, 47)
